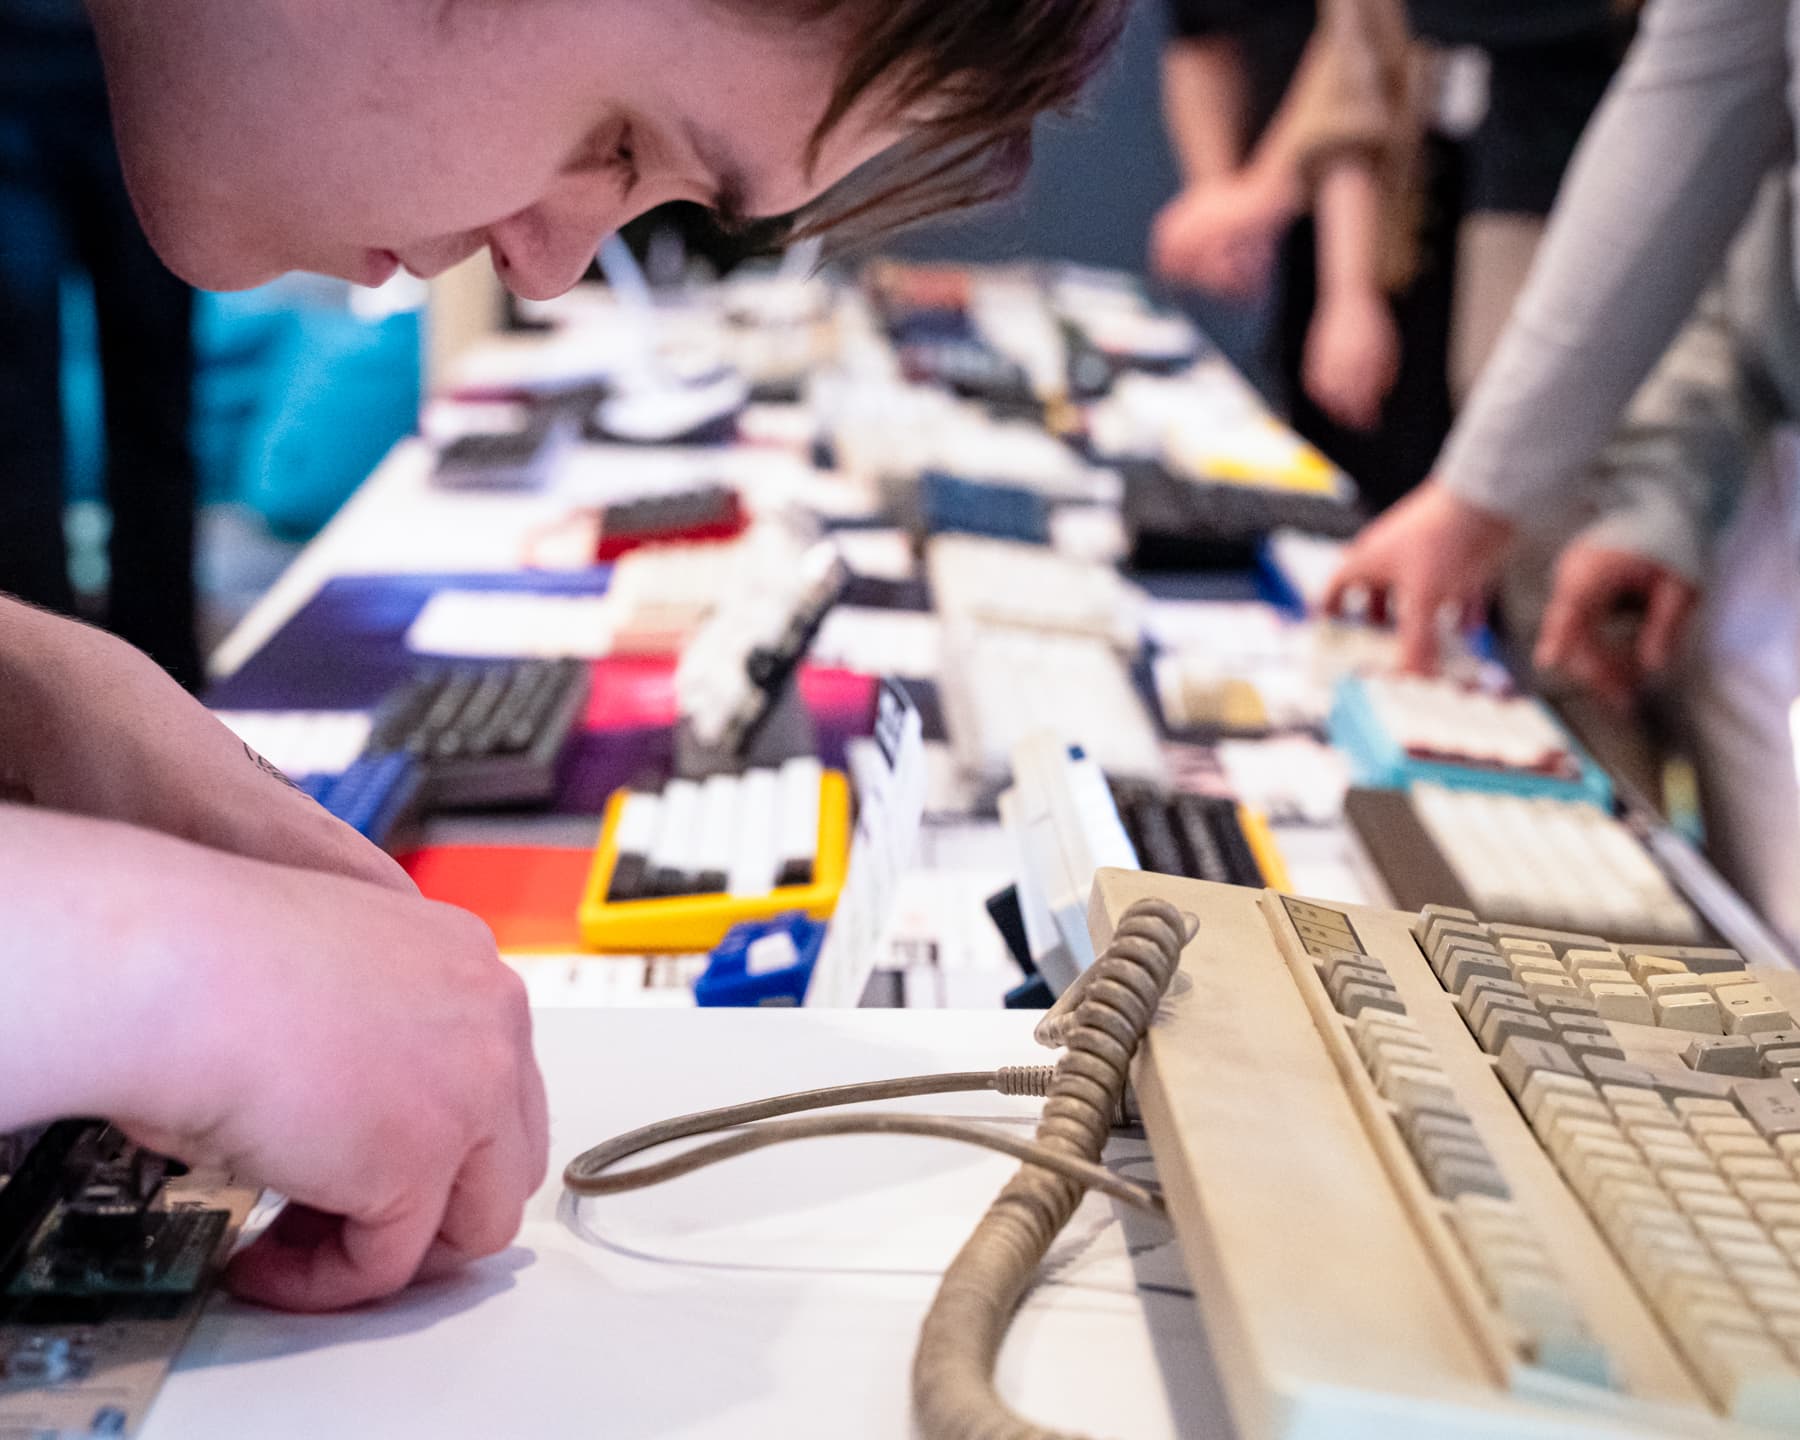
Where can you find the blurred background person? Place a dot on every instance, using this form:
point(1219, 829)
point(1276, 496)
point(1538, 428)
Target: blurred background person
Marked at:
point(1391, 194)
point(63, 209)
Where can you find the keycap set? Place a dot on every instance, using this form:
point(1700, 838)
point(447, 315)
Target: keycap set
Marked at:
point(1559, 863)
point(659, 595)
point(1498, 1239)
point(1687, 1169)
point(487, 733)
point(1198, 836)
point(1440, 720)
point(742, 835)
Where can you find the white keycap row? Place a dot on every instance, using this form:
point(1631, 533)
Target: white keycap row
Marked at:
point(1703, 1210)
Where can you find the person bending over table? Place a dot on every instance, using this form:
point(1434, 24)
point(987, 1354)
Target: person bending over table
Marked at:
point(196, 950)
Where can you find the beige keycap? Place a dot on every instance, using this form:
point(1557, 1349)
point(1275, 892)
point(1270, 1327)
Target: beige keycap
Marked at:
point(1644, 966)
point(1742, 1170)
point(1696, 1182)
point(1778, 1214)
point(1728, 1120)
point(1634, 1098)
point(1693, 1011)
point(1684, 983)
point(1560, 1105)
point(1757, 1193)
point(1667, 1158)
point(1514, 947)
point(1689, 1106)
point(1623, 1002)
point(1750, 1008)
point(1750, 1376)
point(1544, 1083)
point(1587, 976)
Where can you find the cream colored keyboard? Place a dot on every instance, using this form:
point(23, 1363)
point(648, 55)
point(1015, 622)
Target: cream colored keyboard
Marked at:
point(1438, 1178)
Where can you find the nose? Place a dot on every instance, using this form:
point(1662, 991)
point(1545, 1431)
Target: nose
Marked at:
point(542, 250)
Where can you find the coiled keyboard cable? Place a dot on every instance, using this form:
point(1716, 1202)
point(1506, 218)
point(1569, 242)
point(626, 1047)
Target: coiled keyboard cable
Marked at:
point(1099, 1022)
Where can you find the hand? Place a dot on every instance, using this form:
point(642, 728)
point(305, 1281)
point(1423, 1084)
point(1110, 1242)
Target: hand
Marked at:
point(1352, 357)
point(1591, 585)
point(1221, 237)
point(93, 727)
point(1429, 552)
point(364, 1052)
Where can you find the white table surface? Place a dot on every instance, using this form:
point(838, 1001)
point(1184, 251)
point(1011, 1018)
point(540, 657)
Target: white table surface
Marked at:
point(776, 1294)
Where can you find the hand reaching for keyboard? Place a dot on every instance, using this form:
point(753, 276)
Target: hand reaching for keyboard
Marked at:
point(92, 727)
point(1430, 554)
point(1593, 584)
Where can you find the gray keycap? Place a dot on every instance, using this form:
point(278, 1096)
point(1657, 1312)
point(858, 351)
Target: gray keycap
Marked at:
point(1455, 1175)
point(1465, 965)
point(1354, 999)
point(1350, 972)
point(1603, 1071)
point(1723, 1055)
point(1772, 1105)
point(1426, 1125)
point(1522, 1056)
point(1699, 959)
point(1447, 934)
point(1486, 1004)
point(1487, 984)
point(1503, 1025)
point(1586, 1021)
point(1675, 1084)
point(1585, 1043)
point(1775, 1039)
point(1785, 1058)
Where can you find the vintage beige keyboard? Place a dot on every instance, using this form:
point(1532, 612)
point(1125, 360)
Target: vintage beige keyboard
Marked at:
point(1438, 1178)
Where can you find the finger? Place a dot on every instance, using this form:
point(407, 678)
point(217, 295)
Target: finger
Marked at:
point(1560, 632)
point(487, 1200)
point(315, 1261)
point(1671, 601)
point(1418, 634)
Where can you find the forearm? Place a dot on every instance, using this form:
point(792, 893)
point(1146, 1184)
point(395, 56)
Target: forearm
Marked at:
point(100, 970)
point(1348, 99)
point(1662, 179)
point(1204, 104)
point(1348, 215)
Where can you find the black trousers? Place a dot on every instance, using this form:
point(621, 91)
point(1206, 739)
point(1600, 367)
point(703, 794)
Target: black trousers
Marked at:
point(63, 205)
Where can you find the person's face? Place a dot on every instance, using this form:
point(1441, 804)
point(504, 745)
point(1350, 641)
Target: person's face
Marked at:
point(352, 137)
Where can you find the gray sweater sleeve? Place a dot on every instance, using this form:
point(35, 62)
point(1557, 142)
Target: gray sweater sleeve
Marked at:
point(1663, 178)
point(1672, 472)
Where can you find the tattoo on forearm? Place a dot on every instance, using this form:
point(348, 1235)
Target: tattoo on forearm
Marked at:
point(268, 768)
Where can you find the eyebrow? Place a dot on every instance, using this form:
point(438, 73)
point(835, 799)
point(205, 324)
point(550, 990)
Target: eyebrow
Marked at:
point(730, 201)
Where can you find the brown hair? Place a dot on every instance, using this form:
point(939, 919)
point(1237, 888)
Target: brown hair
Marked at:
point(979, 73)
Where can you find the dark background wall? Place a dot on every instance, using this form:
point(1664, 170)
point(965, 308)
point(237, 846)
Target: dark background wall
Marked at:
point(1097, 183)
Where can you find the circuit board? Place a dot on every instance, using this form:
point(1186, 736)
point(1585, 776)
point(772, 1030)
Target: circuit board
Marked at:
point(107, 1253)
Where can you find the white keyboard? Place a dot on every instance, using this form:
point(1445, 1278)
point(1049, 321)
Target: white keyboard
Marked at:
point(1031, 587)
point(1553, 862)
point(1426, 1187)
point(1001, 686)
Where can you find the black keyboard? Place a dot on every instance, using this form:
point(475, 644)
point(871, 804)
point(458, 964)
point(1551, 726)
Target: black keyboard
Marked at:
point(1197, 837)
point(487, 733)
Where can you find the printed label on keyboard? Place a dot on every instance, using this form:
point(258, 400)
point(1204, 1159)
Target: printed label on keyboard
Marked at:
point(1322, 930)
